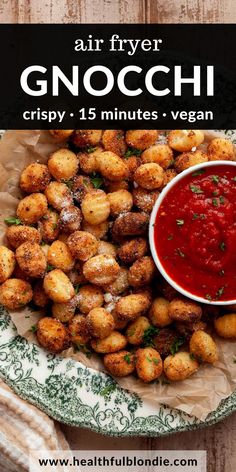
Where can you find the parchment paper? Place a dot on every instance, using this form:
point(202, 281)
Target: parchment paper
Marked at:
point(200, 394)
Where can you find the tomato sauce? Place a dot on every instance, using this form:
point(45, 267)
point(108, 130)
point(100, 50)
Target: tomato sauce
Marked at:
point(195, 233)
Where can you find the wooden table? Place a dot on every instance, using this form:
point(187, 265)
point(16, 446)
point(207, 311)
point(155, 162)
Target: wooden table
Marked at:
point(217, 440)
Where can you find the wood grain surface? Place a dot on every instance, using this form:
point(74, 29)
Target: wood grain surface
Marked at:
point(218, 440)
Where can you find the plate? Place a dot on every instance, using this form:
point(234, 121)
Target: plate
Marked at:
point(71, 393)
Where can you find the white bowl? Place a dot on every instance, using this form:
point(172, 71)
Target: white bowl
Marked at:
point(156, 207)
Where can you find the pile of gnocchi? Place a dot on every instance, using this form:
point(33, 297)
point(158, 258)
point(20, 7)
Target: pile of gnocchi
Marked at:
point(78, 250)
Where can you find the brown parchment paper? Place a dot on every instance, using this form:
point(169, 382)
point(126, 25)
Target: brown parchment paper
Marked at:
point(200, 394)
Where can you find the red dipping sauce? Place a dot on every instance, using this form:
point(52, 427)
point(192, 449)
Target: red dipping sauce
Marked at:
point(195, 233)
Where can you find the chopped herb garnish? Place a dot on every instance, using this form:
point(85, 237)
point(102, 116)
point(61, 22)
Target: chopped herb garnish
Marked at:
point(222, 272)
point(195, 189)
point(83, 348)
point(148, 336)
point(107, 390)
point(220, 292)
point(33, 329)
point(215, 193)
point(132, 152)
point(49, 267)
point(215, 202)
point(208, 297)
point(45, 217)
point(97, 180)
point(170, 237)
point(69, 183)
point(90, 149)
point(215, 179)
point(155, 361)
point(174, 348)
point(195, 216)
point(198, 172)
point(180, 222)
point(179, 252)
point(127, 358)
point(222, 200)
point(12, 221)
point(222, 246)
point(77, 287)
point(234, 178)
point(42, 243)
point(203, 216)
point(192, 356)
point(54, 226)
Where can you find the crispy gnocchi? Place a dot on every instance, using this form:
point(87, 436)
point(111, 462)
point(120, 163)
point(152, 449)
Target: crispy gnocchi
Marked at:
point(78, 248)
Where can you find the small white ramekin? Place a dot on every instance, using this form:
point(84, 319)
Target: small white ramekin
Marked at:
point(156, 207)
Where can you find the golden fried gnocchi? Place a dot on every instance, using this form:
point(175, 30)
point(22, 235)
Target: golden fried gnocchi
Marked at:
point(111, 166)
point(203, 347)
point(159, 313)
point(104, 247)
point(40, 297)
point(35, 178)
point(119, 364)
point(58, 286)
point(15, 293)
point(120, 201)
point(58, 195)
point(63, 164)
point(64, 312)
point(161, 154)
point(169, 175)
point(81, 185)
point(78, 330)
point(101, 270)
point(148, 363)
point(31, 259)
point(189, 159)
point(114, 140)
point(7, 263)
point(19, 234)
point(31, 208)
point(52, 334)
point(95, 207)
point(60, 257)
point(132, 306)
point(141, 138)
point(141, 272)
point(48, 226)
point(144, 199)
point(132, 250)
point(100, 323)
point(70, 219)
point(112, 343)
point(184, 310)
point(149, 176)
point(83, 245)
point(221, 149)
point(61, 134)
point(136, 330)
point(89, 297)
point(225, 326)
point(87, 161)
point(183, 140)
point(87, 137)
point(130, 224)
point(99, 231)
point(120, 284)
point(180, 366)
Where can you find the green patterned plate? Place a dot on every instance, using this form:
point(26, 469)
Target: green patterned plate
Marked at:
point(73, 394)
